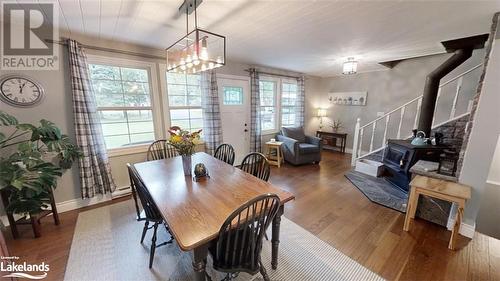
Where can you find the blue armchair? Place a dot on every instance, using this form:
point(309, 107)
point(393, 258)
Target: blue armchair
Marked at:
point(298, 148)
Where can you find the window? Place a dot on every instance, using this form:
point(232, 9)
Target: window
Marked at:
point(233, 95)
point(184, 99)
point(267, 104)
point(288, 103)
point(124, 104)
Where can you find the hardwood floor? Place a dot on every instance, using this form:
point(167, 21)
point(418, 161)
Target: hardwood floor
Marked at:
point(330, 207)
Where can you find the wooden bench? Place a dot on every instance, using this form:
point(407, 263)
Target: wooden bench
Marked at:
point(441, 189)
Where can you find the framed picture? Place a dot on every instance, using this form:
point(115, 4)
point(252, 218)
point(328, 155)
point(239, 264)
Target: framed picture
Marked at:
point(348, 98)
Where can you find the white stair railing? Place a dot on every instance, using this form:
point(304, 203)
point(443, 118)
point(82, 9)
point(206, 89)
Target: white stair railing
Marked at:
point(359, 131)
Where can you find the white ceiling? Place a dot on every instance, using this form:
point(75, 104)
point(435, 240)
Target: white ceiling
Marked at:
point(312, 37)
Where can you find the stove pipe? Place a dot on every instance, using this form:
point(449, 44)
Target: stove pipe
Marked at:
point(462, 50)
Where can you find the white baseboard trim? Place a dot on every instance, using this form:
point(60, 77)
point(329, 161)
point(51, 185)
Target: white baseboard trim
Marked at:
point(78, 203)
point(466, 230)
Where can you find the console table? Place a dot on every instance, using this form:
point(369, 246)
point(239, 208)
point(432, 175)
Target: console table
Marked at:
point(331, 140)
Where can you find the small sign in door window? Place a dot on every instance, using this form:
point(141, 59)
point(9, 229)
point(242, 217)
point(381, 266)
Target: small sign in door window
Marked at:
point(233, 96)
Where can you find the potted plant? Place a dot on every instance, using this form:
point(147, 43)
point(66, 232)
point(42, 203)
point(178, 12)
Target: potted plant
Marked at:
point(336, 126)
point(184, 142)
point(32, 158)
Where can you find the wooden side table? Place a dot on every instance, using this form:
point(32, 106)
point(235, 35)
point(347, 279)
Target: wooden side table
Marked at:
point(274, 147)
point(441, 189)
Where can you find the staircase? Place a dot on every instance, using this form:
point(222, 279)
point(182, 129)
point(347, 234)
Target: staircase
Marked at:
point(402, 113)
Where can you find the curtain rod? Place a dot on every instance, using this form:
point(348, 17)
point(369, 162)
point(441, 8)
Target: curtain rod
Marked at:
point(63, 42)
point(274, 74)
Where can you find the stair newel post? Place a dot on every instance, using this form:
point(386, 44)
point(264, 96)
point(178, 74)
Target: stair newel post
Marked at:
point(355, 142)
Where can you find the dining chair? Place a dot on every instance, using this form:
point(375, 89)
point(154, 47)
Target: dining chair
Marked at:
point(256, 164)
point(161, 149)
point(225, 152)
point(152, 214)
point(239, 244)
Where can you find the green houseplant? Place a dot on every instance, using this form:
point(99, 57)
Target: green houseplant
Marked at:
point(32, 158)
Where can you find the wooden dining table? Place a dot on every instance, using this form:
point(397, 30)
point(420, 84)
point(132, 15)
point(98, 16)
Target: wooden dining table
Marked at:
point(195, 210)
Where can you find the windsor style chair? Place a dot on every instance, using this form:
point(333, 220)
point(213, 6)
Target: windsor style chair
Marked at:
point(160, 149)
point(239, 244)
point(256, 164)
point(152, 214)
point(225, 152)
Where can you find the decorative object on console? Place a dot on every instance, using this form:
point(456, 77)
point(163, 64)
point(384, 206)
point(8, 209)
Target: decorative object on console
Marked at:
point(200, 171)
point(199, 50)
point(184, 142)
point(321, 114)
point(350, 66)
point(348, 98)
point(20, 91)
point(448, 163)
point(336, 125)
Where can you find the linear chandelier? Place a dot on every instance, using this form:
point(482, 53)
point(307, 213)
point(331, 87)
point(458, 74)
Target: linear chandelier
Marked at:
point(199, 50)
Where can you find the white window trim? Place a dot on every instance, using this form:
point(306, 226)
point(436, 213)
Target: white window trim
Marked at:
point(277, 105)
point(155, 99)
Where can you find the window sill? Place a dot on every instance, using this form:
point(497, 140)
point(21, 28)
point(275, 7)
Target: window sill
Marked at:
point(137, 149)
point(270, 132)
point(121, 151)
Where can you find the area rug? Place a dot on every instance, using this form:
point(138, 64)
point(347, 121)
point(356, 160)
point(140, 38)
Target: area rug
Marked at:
point(379, 190)
point(106, 247)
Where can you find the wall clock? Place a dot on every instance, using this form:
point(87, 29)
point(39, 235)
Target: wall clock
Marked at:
point(21, 91)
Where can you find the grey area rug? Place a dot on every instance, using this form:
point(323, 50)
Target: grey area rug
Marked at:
point(106, 247)
point(379, 191)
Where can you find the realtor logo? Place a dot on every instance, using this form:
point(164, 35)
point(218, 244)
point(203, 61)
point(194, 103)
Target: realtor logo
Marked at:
point(27, 30)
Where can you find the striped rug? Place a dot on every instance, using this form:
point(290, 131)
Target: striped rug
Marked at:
point(106, 247)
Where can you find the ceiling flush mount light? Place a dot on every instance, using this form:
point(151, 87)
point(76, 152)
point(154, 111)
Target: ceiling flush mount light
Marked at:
point(350, 66)
point(199, 50)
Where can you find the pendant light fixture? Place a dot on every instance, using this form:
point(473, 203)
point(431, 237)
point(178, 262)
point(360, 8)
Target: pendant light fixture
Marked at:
point(350, 66)
point(199, 50)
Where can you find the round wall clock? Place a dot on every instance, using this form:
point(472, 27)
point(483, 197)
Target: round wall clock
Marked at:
point(22, 91)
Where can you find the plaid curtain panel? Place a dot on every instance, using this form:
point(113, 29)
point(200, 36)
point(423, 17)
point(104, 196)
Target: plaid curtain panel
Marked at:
point(255, 129)
point(212, 130)
point(95, 171)
point(301, 97)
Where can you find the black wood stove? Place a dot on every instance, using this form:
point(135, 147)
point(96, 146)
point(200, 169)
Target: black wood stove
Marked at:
point(401, 155)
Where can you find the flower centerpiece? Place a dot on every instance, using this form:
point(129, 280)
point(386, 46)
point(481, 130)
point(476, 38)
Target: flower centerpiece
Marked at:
point(184, 142)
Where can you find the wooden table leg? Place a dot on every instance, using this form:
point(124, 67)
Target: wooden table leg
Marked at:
point(275, 241)
point(411, 208)
point(456, 226)
point(278, 155)
point(200, 261)
point(53, 206)
point(37, 228)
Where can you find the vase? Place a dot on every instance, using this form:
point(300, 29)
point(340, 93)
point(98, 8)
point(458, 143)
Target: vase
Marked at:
point(186, 164)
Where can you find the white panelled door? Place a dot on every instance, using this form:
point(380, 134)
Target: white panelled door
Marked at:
point(234, 96)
